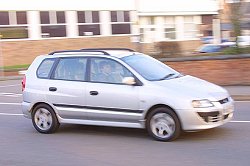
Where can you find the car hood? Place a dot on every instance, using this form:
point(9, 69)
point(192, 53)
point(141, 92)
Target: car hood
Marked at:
point(194, 87)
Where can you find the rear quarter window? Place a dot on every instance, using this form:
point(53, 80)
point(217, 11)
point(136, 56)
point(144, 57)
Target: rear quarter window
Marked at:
point(45, 67)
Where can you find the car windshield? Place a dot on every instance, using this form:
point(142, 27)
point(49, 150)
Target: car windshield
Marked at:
point(150, 68)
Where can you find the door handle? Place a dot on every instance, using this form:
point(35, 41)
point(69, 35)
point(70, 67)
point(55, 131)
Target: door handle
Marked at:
point(93, 93)
point(53, 89)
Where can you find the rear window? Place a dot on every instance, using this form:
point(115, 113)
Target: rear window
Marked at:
point(44, 68)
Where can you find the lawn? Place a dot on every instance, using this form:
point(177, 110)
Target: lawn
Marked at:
point(15, 67)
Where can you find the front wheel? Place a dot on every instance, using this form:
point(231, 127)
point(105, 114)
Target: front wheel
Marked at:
point(163, 124)
point(44, 119)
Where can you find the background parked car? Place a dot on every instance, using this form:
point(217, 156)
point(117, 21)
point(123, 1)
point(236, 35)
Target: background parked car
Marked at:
point(213, 48)
point(210, 40)
point(243, 41)
point(207, 39)
point(208, 48)
point(227, 44)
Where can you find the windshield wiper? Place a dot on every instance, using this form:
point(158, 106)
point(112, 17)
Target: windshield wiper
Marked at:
point(179, 75)
point(167, 76)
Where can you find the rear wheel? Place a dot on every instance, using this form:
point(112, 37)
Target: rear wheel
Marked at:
point(163, 124)
point(44, 119)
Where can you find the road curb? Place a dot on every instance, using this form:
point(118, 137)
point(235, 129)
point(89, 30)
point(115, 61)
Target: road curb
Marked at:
point(10, 78)
point(17, 76)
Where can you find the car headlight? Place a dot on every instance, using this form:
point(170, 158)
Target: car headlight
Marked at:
point(202, 103)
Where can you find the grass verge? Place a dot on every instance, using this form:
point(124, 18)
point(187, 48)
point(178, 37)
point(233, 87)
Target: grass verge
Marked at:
point(236, 50)
point(15, 67)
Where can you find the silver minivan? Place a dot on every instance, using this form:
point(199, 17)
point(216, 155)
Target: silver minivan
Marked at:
point(121, 88)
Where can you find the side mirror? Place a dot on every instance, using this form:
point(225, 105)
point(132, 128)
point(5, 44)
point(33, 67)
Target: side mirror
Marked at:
point(129, 80)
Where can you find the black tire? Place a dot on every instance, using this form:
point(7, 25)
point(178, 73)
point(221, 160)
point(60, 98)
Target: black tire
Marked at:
point(163, 113)
point(48, 118)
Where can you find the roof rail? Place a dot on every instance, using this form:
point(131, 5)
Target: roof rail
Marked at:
point(121, 49)
point(63, 51)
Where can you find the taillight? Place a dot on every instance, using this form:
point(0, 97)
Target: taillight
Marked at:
point(23, 83)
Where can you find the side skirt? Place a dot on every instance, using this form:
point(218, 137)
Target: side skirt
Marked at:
point(140, 124)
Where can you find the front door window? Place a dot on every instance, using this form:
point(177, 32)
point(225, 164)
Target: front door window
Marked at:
point(107, 71)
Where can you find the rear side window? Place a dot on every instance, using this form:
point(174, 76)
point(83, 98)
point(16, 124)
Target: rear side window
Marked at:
point(72, 69)
point(44, 68)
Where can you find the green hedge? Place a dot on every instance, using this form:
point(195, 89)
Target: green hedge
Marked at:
point(236, 50)
point(16, 67)
point(14, 32)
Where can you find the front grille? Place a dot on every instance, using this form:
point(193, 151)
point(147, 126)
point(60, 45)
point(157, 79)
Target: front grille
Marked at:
point(223, 101)
point(210, 116)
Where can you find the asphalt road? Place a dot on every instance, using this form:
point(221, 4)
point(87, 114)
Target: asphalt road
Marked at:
point(81, 145)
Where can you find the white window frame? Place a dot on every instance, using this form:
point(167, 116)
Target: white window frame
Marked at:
point(147, 29)
point(195, 30)
point(89, 21)
point(53, 22)
point(121, 21)
point(170, 24)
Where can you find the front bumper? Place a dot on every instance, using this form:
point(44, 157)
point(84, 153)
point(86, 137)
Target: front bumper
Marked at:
point(206, 118)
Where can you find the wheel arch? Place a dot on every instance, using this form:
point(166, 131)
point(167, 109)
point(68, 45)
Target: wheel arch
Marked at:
point(38, 103)
point(162, 105)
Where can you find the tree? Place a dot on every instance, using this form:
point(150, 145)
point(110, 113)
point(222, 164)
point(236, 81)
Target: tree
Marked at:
point(235, 17)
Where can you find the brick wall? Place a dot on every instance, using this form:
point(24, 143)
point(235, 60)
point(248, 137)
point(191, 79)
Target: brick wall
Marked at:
point(24, 52)
point(189, 45)
point(222, 72)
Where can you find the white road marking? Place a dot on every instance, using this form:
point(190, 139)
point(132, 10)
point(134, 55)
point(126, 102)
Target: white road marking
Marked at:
point(242, 121)
point(10, 103)
point(7, 114)
point(7, 93)
point(10, 94)
point(4, 86)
